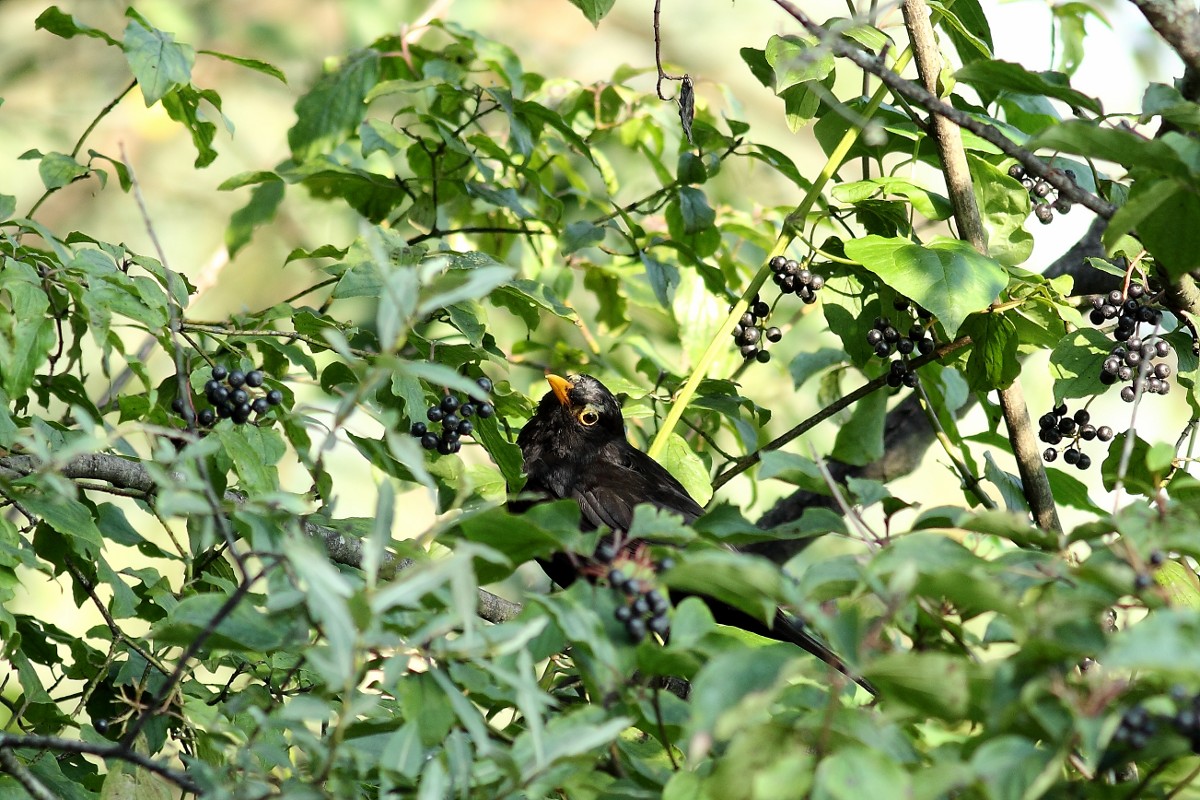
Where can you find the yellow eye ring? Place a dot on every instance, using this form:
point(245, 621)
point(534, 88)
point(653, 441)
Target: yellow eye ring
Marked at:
point(588, 417)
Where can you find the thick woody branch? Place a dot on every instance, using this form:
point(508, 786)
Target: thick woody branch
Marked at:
point(342, 548)
point(1034, 481)
point(1178, 23)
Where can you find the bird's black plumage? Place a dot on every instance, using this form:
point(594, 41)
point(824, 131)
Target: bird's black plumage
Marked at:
point(575, 447)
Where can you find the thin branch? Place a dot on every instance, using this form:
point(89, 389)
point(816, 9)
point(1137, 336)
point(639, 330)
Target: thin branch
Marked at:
point(55, 743)
point(750, 459)
point(176, 678)
point(220, 330)
point(930, 102)
point(79, 142)
point(342, 548)
point(184, 390)
point(970, 481)
point(662, 76)
point(437, 233)
point(113, 627)
point(29, 782)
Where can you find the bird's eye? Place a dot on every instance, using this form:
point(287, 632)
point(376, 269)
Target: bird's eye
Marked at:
point(589, 417)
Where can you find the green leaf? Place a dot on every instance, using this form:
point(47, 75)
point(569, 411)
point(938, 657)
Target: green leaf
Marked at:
point(967, 27)
point(1076, 362)
point(756, 60)
point(464, 281)
point(249, 63)
point(860, 441)
point(57, 170)
point(26, 334)
point(69, 517)
point(992, 362)
point(254, 452)
point(578, 235)
point(183, 106)
point(569, 735)
point(751, 583)
point(333, 109)
point(1172, 235)
point(244, 629)
point(733, 677)
point(855, 772)
point(929, 204)
point(61, 24)
point(989, 77)
point(1111, 144)
point(259, 210)
point(1180, 583)
point(792, 468)
point(327, 594)
point(663, 278)
point(8, 205)
point(1008, 766)
point(506, 454)
point(807, 364)
point(157, 61)
point(1137, 481)
point(681, 461)
point(947, 276)
point(796, 60)
point(538, 533)
point(594, 10)
point(1004, 207)
point(1169, 103)
point(1166, 642)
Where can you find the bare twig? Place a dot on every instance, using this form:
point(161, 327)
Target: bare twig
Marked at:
point(55, 743)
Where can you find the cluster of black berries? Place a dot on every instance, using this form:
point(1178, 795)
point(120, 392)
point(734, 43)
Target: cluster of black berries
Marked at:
point(1128, 309)
point(887, 339)
point(1136, 358)
point(1187, 716)
point(1056, 426)
point(643, 608)
point(231, 396)
point(454, 413)
point(791, 278)
point(1138, 725)
point(751, 337)
point(1133, 357)
point(1040, 192)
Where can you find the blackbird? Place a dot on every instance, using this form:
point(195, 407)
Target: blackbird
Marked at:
point(575, 447)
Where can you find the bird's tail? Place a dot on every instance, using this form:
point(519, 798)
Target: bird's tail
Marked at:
point(788, 628)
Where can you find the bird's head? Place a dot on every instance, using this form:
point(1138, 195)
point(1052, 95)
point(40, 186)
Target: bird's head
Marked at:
point(583, 405)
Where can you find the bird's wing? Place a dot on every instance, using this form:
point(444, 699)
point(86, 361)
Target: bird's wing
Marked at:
point(624, 478)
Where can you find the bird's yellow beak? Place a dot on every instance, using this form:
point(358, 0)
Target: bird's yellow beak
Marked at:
point(560, 387)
